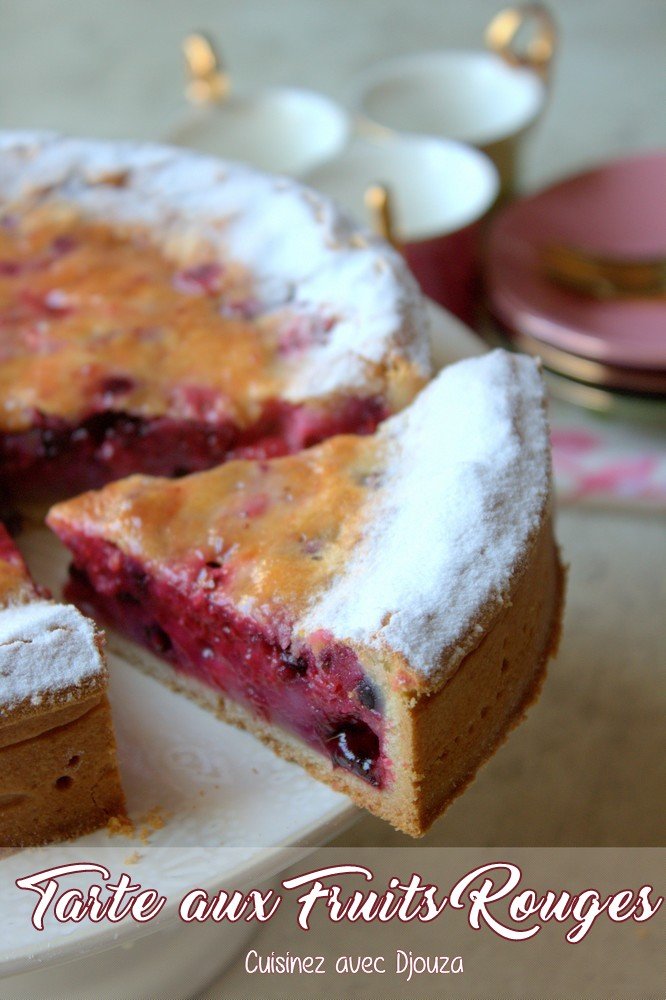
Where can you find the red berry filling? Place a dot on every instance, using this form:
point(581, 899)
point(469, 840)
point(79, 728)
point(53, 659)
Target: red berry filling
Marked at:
point(323, 697)
point(58, 458)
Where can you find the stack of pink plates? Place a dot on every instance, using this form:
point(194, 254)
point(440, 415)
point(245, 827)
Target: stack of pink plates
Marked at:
point(577, 275)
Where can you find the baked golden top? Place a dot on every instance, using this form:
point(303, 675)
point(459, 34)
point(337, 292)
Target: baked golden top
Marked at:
point(267, 534)
point(93, 316)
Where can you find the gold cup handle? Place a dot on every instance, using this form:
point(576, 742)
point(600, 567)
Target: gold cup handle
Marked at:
point(379, 205)
point(208, 82)
point(537, 53)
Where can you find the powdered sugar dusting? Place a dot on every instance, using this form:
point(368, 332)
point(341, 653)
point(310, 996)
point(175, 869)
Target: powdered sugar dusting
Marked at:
point(304, 255)
point(467, 481)
point(44, 648)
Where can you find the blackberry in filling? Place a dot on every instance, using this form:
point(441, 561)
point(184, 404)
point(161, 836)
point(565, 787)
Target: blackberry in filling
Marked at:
point(355, 746)
point(324, 698)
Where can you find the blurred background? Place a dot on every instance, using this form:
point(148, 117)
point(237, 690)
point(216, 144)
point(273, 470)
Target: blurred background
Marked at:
point(115, 69)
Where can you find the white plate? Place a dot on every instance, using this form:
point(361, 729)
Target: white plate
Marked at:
point(231, 809)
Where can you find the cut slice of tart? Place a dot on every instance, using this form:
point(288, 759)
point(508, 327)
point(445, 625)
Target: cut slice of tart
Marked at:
point(58, 771)
point(379, 609)
point(161, 311)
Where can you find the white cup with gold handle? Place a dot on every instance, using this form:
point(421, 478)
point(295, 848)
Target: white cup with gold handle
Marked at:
point(429, 196)
point(487, 98)
point(285, 130)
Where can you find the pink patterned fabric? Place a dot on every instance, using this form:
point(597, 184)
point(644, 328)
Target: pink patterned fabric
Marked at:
point(598, 462)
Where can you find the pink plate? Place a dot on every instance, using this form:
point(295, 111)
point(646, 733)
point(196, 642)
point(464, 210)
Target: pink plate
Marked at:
point(616, 210)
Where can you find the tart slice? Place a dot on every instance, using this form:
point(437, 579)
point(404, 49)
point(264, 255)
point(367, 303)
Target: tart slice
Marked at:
point(162, 311)
point(58, 771)
point(379, 609)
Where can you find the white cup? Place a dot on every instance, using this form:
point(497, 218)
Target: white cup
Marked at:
point(440, 191)
point(284, 130)
point(488, 98)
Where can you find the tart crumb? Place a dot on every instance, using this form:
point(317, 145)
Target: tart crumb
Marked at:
point(146, 824)
point(120, 826)
point(151, 821)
